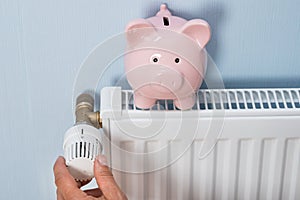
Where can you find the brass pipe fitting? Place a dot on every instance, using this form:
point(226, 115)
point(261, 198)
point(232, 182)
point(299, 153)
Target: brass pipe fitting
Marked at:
point(84, 111)
point(95, 118)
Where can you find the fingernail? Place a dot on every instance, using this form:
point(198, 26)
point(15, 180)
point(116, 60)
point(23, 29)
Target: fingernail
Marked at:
point(102, 160)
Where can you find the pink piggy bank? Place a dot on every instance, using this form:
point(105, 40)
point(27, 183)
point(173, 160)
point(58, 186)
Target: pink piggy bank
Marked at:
point(166, 58)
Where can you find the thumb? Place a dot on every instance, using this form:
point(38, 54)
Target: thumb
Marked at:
point(106, 181)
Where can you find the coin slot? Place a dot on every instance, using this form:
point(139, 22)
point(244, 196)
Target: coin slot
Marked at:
point(166, 21)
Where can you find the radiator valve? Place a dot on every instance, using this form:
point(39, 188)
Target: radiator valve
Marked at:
point(82, 142)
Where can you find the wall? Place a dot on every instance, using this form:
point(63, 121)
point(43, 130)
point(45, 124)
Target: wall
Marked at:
point(42, 44)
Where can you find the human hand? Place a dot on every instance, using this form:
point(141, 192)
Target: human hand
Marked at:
point(69, 189)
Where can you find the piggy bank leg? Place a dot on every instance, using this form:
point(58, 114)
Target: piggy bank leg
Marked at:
point(185, 103)
point(143, 102)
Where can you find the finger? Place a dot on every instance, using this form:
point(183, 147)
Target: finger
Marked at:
point(105, 180)
point(62, 175)
point(94, 192)
point(65, 182)
point(59, 195)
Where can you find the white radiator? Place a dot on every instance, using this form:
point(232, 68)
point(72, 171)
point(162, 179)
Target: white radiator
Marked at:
point(234, 144)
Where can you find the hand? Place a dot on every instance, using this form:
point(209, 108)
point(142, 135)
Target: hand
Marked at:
point(69, 189)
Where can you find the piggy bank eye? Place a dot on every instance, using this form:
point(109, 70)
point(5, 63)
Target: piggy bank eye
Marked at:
point(177, 60)
point(155, 58)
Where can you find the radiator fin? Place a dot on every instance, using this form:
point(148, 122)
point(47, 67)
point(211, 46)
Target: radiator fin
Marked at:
point(235, 169)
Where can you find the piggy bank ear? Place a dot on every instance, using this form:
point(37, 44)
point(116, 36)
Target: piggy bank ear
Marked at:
point(139, 30)
point(198, 30)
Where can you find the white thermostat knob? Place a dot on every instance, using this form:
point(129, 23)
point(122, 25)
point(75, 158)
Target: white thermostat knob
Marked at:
point(82, 143)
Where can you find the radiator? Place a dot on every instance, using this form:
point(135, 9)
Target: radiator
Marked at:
point(233, 144)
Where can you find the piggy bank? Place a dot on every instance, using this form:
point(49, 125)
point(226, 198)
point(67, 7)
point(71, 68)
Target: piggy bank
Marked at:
point(166, 59)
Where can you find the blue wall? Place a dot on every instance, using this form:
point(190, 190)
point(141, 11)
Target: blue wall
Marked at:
point(42, 44)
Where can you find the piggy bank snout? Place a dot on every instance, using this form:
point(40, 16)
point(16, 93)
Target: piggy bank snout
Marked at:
point(159, 77)
point(168, 78)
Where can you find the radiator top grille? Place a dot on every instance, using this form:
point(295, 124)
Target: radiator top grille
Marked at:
point(229, 99)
